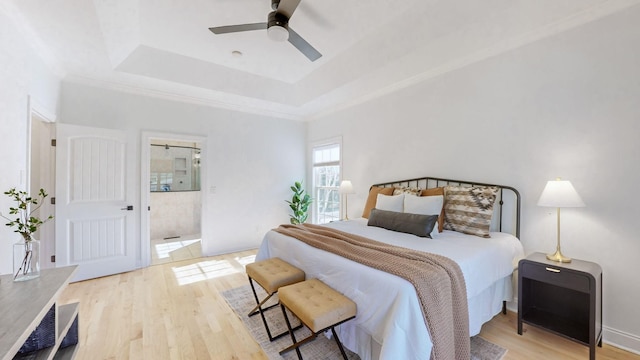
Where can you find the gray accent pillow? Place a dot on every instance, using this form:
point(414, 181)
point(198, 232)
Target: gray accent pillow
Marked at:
point(416, 224)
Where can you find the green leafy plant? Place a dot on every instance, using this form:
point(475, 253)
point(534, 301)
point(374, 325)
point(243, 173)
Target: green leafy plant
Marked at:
point(299, 204)
point(25, 223)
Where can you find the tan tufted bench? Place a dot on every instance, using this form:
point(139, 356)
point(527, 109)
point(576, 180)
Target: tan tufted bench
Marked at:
point(318, 306)
point(271, 274)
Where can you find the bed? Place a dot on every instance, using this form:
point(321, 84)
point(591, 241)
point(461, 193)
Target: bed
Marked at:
point(390, 322)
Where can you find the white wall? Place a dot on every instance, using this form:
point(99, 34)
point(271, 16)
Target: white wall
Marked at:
point(22, 76)
point(564, 106)
point(174, 213)
point(250, 160)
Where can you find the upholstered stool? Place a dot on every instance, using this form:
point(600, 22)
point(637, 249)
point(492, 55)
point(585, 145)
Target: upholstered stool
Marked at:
point(318, 306)
point(271, 274)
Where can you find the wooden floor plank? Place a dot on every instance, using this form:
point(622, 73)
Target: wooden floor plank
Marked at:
point(175, 311)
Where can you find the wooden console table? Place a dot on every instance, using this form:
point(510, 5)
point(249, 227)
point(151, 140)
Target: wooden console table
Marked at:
point(24, 304)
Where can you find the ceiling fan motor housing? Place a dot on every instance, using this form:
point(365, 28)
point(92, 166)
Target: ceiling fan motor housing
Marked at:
point(277, 27)
point(277, 19)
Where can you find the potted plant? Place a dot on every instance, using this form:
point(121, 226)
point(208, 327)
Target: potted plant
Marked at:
point(26, 253)
point(299, 204)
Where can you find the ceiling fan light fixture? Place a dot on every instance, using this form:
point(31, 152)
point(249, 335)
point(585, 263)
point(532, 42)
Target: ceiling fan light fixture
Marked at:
point(278, 33)
point(277, 27)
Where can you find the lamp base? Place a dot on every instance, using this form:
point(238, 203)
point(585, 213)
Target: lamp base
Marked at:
point(558, 257)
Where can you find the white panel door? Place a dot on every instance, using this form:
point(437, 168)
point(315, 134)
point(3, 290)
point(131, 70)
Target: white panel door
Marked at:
point(94, 192)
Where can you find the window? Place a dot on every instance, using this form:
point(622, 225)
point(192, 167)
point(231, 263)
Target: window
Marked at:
point(326, 180)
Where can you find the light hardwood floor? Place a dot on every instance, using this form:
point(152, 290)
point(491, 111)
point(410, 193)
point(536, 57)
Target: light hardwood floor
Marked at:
point(175, 311)
point(180, 248)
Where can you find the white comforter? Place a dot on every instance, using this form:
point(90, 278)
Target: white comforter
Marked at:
point(389, 319)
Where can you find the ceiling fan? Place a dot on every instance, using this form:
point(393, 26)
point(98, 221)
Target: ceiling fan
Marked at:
point(277, 26)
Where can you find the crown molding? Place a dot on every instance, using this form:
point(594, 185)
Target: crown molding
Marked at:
point(336, 100)
point(245, 105)
point(575, 20)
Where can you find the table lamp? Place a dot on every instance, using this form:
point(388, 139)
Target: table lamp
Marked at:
point(559, 194)
point(345, 189)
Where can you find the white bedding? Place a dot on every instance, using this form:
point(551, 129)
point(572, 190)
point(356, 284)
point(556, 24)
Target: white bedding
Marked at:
point(390, 324)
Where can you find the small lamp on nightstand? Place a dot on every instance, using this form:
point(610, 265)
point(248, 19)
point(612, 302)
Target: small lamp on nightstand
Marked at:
point(559, 194)
point(345, 189)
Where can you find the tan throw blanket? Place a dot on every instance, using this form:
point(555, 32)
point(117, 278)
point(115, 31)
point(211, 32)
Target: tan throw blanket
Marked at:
point(438, 280)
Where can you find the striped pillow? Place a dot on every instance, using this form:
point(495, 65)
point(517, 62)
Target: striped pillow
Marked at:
point(469, 209)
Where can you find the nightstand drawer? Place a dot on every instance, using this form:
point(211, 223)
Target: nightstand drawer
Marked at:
point(556, 276)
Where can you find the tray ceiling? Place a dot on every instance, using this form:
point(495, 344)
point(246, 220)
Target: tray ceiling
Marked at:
point(164, 47)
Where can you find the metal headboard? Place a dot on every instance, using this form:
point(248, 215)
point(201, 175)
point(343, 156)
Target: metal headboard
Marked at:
point(508, 211)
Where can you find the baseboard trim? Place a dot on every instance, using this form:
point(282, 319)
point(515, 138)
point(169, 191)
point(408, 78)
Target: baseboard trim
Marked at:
point(621, 339)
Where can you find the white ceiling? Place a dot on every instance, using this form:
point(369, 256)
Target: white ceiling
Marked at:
point(164, 48)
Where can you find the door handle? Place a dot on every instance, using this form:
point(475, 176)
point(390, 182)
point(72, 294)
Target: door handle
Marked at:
point(128, 208)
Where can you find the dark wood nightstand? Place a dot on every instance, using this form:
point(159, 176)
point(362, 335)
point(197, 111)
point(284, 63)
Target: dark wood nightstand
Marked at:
point(564, 298)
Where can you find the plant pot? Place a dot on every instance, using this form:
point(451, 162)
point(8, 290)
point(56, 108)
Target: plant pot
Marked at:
point(26, 260)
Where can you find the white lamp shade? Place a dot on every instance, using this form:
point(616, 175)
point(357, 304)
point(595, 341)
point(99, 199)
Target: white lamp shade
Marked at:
point(560, 193)
point(346, 187)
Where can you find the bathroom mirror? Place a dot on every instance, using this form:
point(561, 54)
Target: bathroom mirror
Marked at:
point(175, 168)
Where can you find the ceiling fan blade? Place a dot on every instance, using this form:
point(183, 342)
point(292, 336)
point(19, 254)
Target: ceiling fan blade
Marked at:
point(287, 7)
point(238, 28)
point(302, 45)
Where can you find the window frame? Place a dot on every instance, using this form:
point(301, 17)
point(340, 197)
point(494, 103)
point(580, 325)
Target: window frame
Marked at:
point(336, 141)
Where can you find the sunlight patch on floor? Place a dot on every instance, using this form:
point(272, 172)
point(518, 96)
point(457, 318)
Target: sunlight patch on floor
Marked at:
point(202, 270)
point(246, 260)
point(164, 250)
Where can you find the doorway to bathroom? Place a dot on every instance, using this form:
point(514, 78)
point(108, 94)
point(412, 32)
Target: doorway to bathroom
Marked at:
point(174, 198)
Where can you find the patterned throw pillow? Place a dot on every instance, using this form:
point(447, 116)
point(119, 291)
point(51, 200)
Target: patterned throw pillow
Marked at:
point(397, 190)
point(469, 209)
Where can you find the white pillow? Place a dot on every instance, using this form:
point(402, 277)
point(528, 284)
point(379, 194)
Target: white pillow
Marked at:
point(425, 205)
point(390, 202)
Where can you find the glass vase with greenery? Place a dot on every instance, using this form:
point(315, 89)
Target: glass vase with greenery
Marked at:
point(299, 204)
point(26, 224)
